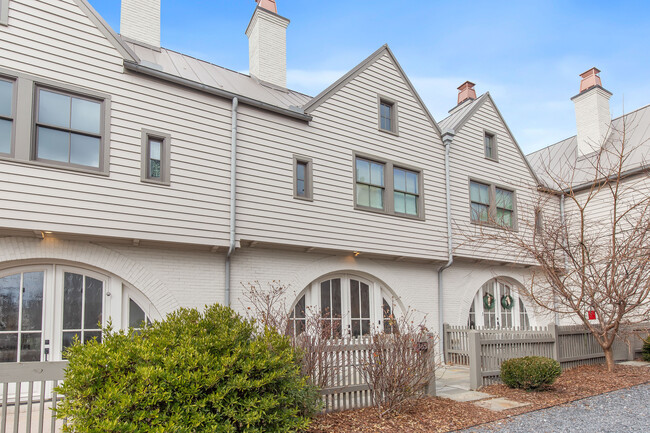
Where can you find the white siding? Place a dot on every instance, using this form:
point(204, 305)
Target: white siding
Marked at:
point(347, 122)
point(511, 172)
point(57, 41)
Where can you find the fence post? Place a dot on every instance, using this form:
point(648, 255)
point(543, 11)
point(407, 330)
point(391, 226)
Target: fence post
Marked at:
point(430, 388)
point(445, 343)
point(552, 328)
point(474, 348)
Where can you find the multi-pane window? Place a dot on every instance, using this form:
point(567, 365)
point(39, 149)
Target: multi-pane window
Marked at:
point(68, 129)
point(359, 308)
point(480, 201)
point(6, 115)
point(490, 148)
point(154, 157)
point(498, 305)
point(137, 317)
point(491, 204)
point(387, 116)
point(505, 207)
point(330, 305)
point(83, 306)
point(21, 317)
point(298, 318)
point(370, 184)
point(301, 178)
point(405, 187)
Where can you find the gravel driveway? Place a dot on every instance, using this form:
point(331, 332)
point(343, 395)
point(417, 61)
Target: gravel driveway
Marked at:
point(627, 410)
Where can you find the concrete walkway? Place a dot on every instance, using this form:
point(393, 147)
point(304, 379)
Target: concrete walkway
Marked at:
point(452, 382)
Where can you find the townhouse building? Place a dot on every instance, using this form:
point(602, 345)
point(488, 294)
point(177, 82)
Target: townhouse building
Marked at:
point(136, 180)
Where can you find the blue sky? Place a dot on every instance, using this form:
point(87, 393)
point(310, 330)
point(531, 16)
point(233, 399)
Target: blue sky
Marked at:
point(527, 54)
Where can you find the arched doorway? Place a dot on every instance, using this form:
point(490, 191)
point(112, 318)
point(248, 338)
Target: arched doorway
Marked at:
point(497, 305)
point(43, 307)
point(352, 305)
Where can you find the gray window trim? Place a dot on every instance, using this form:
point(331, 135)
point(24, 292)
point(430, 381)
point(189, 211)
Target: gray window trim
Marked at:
point(24, 120)
point(309, 178)
point(14, 103)
point(4, 12)
point(165, 154)
point(394, 114)
point(103, 155)
point(492, 212)
point(495, 146)
point(389, 204)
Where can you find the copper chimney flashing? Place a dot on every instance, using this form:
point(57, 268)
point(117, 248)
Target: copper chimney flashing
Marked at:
point(269, 5)
point(590, 79)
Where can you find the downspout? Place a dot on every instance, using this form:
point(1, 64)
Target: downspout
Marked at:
point(447, 138)
point(233, 195)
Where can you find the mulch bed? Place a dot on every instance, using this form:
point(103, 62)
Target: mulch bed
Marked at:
point(443, 415)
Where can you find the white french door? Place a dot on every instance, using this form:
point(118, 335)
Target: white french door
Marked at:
point(43, 308)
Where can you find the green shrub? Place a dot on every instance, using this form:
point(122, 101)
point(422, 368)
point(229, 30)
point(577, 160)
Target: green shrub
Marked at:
point(645, 352)
point(207, 371)
point(530, 372)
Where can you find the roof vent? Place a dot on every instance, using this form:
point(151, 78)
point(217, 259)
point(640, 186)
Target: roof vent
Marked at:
point(466, 91)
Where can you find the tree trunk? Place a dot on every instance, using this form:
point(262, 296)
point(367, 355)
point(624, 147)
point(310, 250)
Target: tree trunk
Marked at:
point(609, 358)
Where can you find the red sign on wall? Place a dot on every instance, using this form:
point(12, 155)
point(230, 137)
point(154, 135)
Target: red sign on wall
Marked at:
point(591, 315)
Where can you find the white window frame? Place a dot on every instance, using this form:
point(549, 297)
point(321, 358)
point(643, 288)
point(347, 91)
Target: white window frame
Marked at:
point(377, 294)
point(479, 309)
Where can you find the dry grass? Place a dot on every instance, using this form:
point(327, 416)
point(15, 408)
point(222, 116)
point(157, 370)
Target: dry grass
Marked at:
point(442, 415)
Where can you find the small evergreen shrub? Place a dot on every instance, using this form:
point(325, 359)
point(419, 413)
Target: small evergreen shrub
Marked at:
point(645, 352)
point(209, 371)
point(530, 373)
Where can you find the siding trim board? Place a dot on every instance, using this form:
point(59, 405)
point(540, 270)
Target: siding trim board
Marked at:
point(4, 12)
point(115, 40)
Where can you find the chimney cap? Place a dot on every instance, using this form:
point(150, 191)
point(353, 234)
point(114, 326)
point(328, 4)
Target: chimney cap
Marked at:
point(590, 78)
point(466, 91)
point(466, 85)
point(269, 5)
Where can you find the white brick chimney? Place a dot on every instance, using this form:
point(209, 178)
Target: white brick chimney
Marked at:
point(592, 112)
point(267, 44)
point(140, 21)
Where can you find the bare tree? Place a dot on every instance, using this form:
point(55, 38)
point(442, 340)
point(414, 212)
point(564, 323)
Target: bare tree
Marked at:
point(399, 365)
point(592, 261)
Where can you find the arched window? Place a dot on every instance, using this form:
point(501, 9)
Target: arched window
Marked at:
point(43, 308)
point(350, 305)
point(498, 305)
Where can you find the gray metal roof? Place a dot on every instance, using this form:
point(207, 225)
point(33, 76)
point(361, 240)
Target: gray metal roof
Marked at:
point(459, 114)
point(199, 71)
point(562, 162)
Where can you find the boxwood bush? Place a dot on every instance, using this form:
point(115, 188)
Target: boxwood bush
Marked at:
point(209, 371)
point(645, 352)
point(530, 373)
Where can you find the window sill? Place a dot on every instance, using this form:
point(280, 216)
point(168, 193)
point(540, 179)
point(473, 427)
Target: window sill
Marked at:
point(395, 133)
point(492, 159)
point(61, 167)
point(156, 182)
point(298, 197)
point(393, 214)
point(494, 226)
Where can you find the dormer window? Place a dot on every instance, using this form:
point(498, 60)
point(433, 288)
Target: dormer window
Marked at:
point(387, 115)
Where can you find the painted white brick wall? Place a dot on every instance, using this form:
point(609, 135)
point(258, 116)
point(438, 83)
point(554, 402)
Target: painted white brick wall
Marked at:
point(140, 20)
point(415, 285)
point(592, 119)
point(267, 47)
point(463, 280)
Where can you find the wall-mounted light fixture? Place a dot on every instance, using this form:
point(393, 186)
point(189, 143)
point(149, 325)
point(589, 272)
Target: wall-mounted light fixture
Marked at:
point(356, 253)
